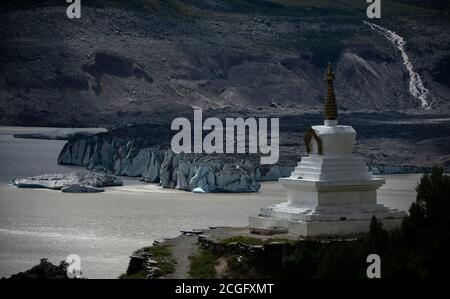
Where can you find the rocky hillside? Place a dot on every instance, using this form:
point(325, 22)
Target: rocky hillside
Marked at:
point(149, 60)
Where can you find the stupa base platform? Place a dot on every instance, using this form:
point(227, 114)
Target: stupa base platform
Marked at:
point(324, 221)
point(329, 208)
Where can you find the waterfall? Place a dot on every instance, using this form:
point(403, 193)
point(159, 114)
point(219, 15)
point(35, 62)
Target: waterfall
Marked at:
point(416, 86)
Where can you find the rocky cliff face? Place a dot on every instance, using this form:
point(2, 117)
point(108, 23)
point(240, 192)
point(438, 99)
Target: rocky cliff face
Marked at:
point(129, 156)
point(128, 61)
point(388, 142)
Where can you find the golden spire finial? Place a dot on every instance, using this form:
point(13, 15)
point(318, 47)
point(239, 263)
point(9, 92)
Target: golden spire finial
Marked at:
point(330, 100)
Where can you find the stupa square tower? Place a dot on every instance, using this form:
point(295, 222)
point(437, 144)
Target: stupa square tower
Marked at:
point(330, 192)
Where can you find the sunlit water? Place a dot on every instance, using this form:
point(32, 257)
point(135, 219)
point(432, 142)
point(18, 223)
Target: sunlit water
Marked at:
point(105, 228)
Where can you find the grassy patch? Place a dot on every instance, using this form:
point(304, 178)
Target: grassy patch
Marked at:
point(138, 275)
point(159, 253)
point(240, 267)
point(163, 255)
point(203, 265)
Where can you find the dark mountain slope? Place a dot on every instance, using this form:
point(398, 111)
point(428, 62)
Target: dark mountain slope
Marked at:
point(149, 60)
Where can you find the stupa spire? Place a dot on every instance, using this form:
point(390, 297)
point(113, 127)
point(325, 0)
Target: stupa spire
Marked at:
point(330, 111)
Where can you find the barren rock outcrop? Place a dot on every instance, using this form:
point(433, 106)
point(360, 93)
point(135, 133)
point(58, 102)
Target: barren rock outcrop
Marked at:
point(86, 181)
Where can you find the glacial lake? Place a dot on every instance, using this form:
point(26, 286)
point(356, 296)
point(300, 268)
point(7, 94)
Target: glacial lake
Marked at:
point(105, 228)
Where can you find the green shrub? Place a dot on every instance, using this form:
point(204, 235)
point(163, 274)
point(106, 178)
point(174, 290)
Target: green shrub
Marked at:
point(203, 265)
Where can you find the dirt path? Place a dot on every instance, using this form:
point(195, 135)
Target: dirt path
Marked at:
point(182, 248)
point(186, 245)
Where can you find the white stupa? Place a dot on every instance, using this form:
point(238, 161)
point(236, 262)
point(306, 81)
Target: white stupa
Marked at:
point(330, 192)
